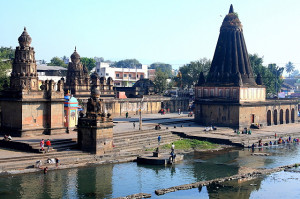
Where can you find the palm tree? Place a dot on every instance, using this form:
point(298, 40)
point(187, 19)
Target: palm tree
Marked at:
point(289, 67)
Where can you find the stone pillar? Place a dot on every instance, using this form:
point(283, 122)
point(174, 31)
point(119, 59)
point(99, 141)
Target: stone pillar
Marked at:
point(95, 135)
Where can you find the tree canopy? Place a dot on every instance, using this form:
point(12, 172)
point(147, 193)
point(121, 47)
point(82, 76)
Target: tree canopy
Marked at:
point(289, 67)
point(89, 63)
point(127, 63)
point(160, 81)
point(189, 73)
point(271, 74)
point(7, 53)
point(166, 68)
point(56, 61)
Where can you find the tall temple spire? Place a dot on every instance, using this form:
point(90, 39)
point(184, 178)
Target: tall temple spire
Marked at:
point(230, 64)
point(231, 9)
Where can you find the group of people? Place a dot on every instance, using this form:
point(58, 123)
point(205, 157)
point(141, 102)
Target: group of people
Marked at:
point(279, 141)
point(7, 138)
point(173, 155)
point(48, 145)
point(289, 140)
point(57, 161)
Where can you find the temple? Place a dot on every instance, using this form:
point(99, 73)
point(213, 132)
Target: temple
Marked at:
point(29, 106)
point(78, 79)
point(231, 95)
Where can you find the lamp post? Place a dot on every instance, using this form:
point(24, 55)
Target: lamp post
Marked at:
point(140, 110)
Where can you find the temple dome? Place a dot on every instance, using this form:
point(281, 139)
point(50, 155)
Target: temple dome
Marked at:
point(75, 57)
point(24, 39)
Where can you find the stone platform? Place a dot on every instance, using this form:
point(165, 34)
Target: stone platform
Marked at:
point(163, 159)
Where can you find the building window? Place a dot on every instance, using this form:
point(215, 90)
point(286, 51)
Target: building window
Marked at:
point(234, 93)
point(227, 93)
point(125, 75)
point(220, 93)
point(129, 75)
point(106, 74)
point(117, 75)
point(205, 93)
point(98, 70)
point(142, 76)
point(211, 92)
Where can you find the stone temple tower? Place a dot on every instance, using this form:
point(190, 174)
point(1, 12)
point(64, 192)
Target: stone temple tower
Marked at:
point(231, 95)
point(78, 79)
point(230, 83)
point(30, 107)
point(24, 73)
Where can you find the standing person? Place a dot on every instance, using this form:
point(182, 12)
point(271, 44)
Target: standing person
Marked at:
point(179, 111)
point(158, 139)
point(42, 143)
point(275, 135)
point(172, 148)
point(133, 125)
point(126, 114)
point(48, 144)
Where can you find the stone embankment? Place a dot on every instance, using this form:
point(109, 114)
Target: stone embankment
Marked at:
point(251, 175)
point(136, 196)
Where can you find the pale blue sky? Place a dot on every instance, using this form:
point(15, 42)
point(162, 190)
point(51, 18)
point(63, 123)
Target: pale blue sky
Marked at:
point(170, 31)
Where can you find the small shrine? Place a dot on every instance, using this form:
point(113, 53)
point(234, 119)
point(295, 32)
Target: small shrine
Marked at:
point(71, 111)
point(95, 128)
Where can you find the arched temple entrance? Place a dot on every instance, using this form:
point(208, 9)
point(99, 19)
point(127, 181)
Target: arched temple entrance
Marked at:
point(275, 117)
point(269, 118)
point(293, 115)
point(287, 116)
point(281, 116)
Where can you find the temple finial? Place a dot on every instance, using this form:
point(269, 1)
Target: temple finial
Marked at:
point(231, 9)
point(24, 28)
point(75, 48)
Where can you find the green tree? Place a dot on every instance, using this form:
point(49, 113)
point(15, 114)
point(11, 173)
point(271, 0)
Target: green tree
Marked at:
point(89, 63)
point(276, 78)
point(56, 61)
point(289, 67)
point(166, 68)
point(160, 81)
point(295, 73)
point(190, 72)
point(5, 66)
point(7, 53)
point(127, 63)
point(271, 75)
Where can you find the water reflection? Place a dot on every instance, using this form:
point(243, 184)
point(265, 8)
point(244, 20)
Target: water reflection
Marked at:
point(108, 181)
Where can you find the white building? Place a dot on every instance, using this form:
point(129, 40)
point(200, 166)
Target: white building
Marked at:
point(122, 76)
point(51, 72)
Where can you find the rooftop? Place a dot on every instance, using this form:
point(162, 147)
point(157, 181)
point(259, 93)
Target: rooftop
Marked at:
point(45, 67)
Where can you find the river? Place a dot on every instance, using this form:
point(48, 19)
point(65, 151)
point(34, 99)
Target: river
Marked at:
point(115, 180)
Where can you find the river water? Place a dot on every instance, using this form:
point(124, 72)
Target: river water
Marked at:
point(115, 180)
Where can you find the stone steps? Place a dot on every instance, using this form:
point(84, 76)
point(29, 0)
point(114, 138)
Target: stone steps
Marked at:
point(151, 134)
